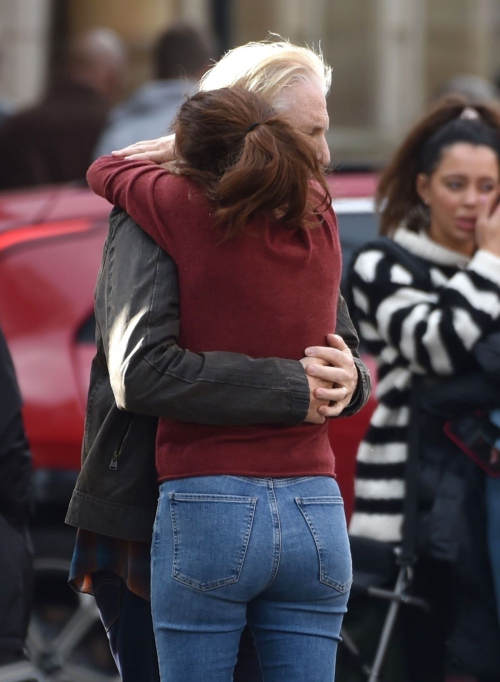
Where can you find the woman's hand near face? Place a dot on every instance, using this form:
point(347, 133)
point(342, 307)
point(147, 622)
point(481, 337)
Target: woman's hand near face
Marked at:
point(488, 227)
point(160, 151)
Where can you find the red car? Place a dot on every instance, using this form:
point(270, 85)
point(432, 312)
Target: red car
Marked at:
point(51, 243)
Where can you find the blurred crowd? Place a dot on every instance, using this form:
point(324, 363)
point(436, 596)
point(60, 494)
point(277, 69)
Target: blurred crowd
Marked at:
point(82, 114)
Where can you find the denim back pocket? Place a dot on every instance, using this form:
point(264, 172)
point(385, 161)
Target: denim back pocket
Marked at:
point(325, 518)
point(211, 535)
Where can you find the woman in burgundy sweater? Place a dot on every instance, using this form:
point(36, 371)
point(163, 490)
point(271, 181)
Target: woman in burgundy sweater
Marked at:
point(250, 521)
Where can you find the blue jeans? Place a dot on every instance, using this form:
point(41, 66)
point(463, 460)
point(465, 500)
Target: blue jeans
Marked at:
point(493, 513)
point(228, 548)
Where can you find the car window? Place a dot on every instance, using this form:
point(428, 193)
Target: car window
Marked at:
point(355, 229)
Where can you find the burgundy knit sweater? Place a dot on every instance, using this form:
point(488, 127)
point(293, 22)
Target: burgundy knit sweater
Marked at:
point(270, 292)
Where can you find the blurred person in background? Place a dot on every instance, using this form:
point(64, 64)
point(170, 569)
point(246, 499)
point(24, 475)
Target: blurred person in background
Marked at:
point(488, 357)
point(478, 89)
point(52, 142)
point(180, 57)
point(493, 504)
point(15, 506)
point(422, 309)
point(471, 88)
point(138, 357)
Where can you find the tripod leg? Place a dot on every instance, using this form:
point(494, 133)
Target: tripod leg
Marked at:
point(390, 619)
point(350, 645)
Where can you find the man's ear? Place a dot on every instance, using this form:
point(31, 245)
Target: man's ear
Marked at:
point(422, 187)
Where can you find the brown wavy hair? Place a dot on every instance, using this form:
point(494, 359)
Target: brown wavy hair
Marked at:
point(396, 198)
point(248, 159)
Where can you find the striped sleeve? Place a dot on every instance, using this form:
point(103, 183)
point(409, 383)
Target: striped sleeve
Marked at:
point(433, 331)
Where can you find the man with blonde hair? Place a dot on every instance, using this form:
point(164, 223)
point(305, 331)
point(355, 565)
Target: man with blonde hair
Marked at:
point(267, 67)
point(295, 80)
point(115, 496)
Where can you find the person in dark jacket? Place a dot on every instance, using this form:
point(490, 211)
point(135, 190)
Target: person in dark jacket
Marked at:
point(250, 294)
point(488, 356)
point(15, 506)
point(52, 141)
point(115, 497)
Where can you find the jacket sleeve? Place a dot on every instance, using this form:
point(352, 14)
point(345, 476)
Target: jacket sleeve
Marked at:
point(433, 331)
point(138, 320)
point(15, 456)
point(346, 330)
point(147, 192)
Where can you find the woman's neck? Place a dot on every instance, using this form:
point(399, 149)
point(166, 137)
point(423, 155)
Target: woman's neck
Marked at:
point(464, 248)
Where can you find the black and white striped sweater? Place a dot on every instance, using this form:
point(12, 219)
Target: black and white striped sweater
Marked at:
point(410, 326)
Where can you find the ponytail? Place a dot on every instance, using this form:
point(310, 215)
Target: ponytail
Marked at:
point(447, 123)
point(249, 160)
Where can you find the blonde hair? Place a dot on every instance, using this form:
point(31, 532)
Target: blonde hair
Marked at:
point(268, 67)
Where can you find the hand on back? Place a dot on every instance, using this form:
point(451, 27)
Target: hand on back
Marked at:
point(160, 151)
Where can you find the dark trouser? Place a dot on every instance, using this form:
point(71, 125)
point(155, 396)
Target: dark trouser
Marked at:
point(425, 633)
point(127, 620)
point(16, 590)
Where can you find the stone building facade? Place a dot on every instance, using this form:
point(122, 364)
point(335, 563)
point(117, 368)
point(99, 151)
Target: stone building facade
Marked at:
point(389, 56)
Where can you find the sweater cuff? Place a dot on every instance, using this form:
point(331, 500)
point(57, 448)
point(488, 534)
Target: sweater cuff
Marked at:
point(486, 264)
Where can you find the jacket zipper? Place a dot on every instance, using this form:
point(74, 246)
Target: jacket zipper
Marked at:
point(113, 465)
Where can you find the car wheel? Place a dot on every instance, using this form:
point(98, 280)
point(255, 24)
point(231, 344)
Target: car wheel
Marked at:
point(66, 641)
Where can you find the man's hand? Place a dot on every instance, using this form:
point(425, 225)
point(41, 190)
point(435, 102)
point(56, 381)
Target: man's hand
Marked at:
point(336, 368)
point(160, 151)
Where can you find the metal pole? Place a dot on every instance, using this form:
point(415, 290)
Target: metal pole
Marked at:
point(390, 620)
point(222, 24)
point(400, 34)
